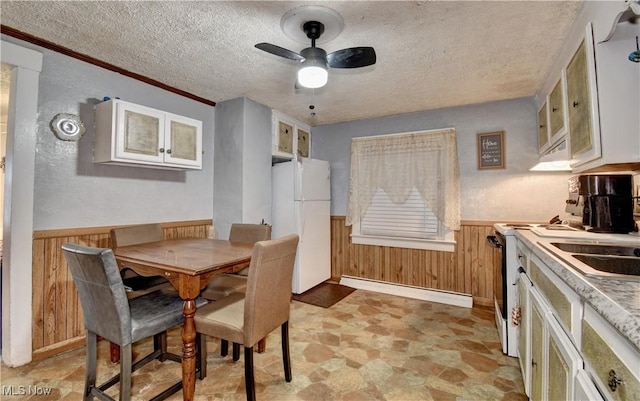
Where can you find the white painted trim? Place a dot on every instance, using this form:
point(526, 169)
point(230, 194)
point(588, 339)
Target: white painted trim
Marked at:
point(443, 297)
point(409, 243)
point(17, 315)
point(21, 57)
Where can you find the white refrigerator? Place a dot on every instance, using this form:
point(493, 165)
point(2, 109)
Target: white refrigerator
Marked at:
point(300, 205)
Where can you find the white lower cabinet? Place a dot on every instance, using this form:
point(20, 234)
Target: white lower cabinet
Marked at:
point(554, 360)
point(551, 340)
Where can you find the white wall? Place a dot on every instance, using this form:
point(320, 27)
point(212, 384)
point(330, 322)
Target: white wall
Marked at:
point(511, 194)
point(242, 164)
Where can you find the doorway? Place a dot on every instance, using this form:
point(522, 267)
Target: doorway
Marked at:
point(17, 222)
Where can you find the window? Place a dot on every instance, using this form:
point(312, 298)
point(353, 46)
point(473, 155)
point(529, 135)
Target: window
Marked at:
point(404, 190)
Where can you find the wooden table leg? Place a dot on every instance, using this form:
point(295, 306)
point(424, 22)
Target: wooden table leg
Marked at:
point(188, 351)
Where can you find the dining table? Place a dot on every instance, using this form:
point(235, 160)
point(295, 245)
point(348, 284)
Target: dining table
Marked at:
point(188, 264)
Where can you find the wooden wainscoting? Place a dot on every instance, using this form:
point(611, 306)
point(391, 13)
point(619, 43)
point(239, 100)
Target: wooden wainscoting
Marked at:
point(468, 270)
point(58, 323)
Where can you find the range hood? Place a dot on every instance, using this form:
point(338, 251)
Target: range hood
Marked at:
point(555, 159)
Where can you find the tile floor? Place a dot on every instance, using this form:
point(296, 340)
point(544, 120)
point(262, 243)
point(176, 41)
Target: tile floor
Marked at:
point(369, 346)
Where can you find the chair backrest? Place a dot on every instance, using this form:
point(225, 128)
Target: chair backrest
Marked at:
point(249, 233)
point(101, 292)
point(134, 235)
point(268, 293)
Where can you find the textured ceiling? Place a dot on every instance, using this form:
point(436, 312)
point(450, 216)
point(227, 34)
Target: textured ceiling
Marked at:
point(431, 54)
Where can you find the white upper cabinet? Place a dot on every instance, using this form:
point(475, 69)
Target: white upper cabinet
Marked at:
point(290, 137)
point(552, 117)
point(130, 134)
point(618, 102)
point(602, 89)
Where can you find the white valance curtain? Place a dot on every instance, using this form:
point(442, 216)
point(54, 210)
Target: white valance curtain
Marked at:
point(397, 163)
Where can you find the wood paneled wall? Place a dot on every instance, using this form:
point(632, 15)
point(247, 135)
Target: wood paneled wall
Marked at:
point(57, 315)
point(468, 270)
point(58, 323)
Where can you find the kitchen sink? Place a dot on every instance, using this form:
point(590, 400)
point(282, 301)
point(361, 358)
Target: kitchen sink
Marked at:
point(598, 249)
point(600, 260)
point(611, 264)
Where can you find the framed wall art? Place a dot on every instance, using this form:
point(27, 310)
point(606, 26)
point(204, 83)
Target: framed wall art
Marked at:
point(491, 150)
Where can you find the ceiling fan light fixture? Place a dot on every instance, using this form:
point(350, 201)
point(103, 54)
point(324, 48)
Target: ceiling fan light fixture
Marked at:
point(313, 69)
point(312, 76)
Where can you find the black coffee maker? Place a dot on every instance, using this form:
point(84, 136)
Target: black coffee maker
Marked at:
point(608, 202)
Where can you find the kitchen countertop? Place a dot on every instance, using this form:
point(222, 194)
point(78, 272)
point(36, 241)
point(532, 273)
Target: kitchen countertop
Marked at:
point(618, 301)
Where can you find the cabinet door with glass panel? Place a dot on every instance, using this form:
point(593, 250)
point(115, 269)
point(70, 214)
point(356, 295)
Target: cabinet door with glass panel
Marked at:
point(139, 133)
point(584, 120)
point(183, 141)
point(543, 129)
point(557, 114)
point(539, 346)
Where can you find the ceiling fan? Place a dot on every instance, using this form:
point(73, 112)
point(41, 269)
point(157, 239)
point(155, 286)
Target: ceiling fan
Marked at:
point(314, 61)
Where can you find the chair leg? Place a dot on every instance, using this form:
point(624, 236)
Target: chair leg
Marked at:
point(236, 352)
point(262, 345)
point(224, 347)
point(201, 358)
point(125, 372)
point(160, 344)
point(286, 358)
point(91, 362)
point(249, 383)
point(114, 352)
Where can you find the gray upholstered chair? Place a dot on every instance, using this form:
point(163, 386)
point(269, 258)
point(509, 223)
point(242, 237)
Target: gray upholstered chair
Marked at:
point(136, 285)
point(244, 319)
point(108, 313)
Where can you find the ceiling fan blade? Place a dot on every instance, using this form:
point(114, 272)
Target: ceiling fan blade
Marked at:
point(352, 57)
point(279, 51)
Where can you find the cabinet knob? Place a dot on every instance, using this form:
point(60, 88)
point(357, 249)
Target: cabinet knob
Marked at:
point(575, 104)
point(614, 380)
point(553, 109)
point(534, 363)
point(169, 151)
point(161, 150)
point(541, 126)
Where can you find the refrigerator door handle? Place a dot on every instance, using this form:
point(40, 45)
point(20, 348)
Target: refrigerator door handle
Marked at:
point(300, 220)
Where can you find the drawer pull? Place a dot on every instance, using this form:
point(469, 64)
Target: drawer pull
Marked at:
point(614, 381)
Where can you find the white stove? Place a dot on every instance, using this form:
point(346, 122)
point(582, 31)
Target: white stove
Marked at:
point(505, 284)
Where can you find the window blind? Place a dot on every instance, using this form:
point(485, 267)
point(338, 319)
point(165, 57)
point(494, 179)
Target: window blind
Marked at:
point(412, 219)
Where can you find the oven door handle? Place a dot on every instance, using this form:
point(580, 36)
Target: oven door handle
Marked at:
point(493, 241)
